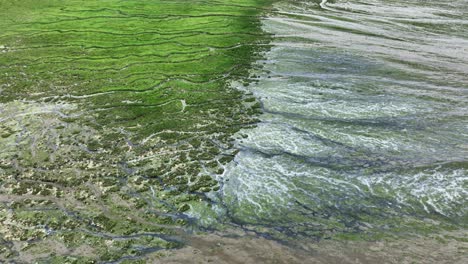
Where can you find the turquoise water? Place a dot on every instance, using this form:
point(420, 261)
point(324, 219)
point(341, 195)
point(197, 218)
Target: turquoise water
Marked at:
point(365, 127)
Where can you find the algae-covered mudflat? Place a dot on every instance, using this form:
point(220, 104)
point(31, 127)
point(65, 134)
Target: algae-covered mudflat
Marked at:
point(114, 115)
point(240, 131)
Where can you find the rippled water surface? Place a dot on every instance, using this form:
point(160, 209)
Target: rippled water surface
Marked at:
point(364, 127)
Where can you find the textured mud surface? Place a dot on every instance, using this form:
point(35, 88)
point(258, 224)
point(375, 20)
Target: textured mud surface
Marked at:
point(114, 115)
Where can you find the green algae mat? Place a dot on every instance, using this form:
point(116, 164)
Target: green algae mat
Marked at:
point(114, 118)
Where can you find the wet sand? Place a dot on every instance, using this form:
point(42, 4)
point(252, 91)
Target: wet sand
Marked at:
point(245, 248)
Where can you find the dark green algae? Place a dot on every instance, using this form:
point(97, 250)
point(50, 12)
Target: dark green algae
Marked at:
point(115, 115)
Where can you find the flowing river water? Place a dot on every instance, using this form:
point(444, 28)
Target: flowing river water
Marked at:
point(365, 128)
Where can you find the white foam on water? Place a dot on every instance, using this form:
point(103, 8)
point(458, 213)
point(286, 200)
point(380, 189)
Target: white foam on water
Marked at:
point(362, 110)
point(438, 189)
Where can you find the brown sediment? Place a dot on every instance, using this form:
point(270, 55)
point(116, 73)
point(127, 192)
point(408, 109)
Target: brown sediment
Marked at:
point(451, 247)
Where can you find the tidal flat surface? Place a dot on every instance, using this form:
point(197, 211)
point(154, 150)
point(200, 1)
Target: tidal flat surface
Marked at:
point(233, 131)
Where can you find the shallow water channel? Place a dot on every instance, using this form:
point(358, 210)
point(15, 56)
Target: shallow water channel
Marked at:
point(364, 131)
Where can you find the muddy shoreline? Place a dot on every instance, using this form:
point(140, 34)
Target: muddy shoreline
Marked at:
point(239, 247)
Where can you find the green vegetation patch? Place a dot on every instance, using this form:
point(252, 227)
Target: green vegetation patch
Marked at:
point(114, 116)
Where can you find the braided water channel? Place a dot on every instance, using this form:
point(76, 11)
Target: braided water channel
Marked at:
point(364, 131)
